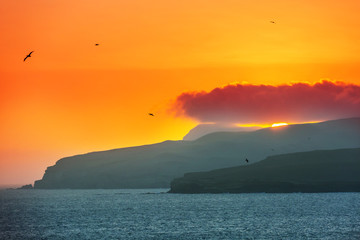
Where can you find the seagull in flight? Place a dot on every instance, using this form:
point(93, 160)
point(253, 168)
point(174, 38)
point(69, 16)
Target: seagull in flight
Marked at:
point(246, 160)
point(29, 55)
point(150, 114)
point(96, 44)
point(272, 22)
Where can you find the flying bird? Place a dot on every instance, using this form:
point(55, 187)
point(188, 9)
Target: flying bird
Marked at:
point(29, 55)
point(96, 44)
point(272, 22)
point(247, 160)
point(151, 114)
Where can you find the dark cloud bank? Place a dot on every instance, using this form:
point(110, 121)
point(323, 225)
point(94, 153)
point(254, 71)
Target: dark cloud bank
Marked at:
point(246, 103)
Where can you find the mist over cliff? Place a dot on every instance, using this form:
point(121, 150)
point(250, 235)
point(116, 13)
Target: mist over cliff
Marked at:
point(204, 129)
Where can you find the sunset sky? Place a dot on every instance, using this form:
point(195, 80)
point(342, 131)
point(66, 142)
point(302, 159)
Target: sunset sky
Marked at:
point(173, 58)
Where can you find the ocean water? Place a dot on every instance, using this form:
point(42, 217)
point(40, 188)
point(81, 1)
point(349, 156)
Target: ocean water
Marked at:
point(153, 214)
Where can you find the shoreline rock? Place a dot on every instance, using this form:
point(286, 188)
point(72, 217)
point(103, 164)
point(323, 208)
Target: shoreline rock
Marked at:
point(27, 186)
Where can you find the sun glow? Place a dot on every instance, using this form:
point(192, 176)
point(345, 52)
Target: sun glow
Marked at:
point(279, 124)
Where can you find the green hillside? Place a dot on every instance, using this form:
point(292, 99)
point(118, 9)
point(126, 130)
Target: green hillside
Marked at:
point(315, 171)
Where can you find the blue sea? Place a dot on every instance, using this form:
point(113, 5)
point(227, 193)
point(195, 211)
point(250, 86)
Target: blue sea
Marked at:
point(154, 214)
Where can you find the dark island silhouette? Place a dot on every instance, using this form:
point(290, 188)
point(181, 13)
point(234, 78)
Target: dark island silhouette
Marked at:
point(156, 165)
point(315, 171)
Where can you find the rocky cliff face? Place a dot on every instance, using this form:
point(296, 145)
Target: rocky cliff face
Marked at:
point(315, 171)
point(156, 165)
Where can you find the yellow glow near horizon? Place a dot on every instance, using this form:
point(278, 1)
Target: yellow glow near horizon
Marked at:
point(254, 125)
point(279, 124)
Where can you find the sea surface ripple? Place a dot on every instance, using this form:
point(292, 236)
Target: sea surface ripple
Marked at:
point(153, 214)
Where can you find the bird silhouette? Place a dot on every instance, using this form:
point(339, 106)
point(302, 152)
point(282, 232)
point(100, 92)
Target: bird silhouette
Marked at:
point(151, 114)
point(29, 55)
point(272, 22)
point(247, 160)
point(96, 44)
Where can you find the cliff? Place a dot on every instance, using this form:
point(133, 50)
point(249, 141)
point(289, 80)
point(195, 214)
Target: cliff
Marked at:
point(315, 171)
point(156, 165)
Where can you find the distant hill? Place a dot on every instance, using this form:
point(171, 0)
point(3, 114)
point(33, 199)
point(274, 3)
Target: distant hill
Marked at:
point(204, 129)
point(315, 171)
point(156, 165)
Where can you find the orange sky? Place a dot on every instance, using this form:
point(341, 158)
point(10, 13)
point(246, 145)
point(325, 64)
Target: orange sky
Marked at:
point(71, 97)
